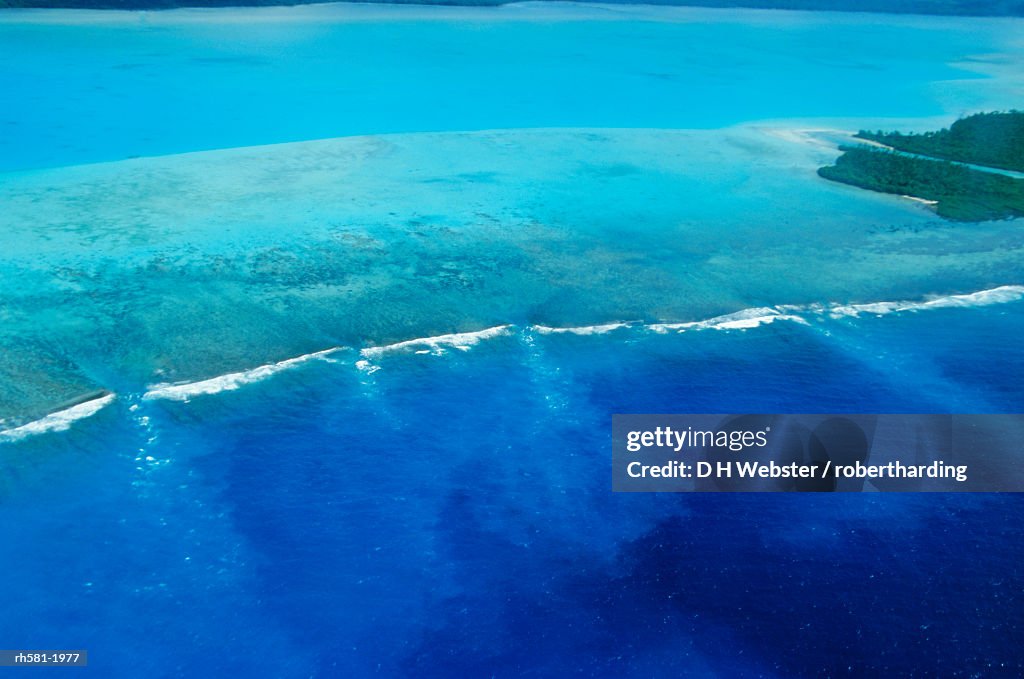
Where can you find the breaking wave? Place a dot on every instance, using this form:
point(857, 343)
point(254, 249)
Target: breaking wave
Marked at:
point(436, 345)
point(60, 420)
point(231, 381)
point(370, 357)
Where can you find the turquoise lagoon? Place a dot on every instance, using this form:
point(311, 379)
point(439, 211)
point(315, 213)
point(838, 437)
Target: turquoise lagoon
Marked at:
point(346, 296)
point(82, 87)
point(420, 218)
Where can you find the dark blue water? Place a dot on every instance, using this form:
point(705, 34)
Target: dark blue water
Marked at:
point(451, 515)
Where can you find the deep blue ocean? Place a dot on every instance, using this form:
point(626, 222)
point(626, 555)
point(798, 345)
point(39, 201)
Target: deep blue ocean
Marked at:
point(443, 508)
point(450, 515)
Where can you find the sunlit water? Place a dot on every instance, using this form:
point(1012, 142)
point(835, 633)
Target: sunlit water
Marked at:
point(443, 507)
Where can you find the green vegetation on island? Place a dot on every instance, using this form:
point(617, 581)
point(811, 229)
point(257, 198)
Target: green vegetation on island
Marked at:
point(961, 193)
point(991, 139)
point(958, 192)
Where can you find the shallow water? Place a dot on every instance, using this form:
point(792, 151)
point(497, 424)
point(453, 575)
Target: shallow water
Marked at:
point(362, 387)
point(120, 84)
point(190, 266)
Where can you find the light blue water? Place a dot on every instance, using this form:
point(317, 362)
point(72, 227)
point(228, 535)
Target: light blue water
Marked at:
point(106, 89)
point(447, 512)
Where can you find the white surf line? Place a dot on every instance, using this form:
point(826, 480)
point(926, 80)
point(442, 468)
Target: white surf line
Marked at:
point(753, 317)
point(998, 295)
point(435, 345)
point(60, 420)
point(740, 320)
point(184, 391)
point(743, 319)
point(582, 329)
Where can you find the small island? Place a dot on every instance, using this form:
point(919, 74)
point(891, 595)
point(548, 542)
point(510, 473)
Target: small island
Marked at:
point(989, 139)
point(965, 172)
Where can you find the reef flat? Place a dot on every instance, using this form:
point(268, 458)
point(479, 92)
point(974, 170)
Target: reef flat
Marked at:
point(186, 267)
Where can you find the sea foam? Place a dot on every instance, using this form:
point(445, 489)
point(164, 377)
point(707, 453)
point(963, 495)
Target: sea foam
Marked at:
point(743, 319)
point(580, 330)
point(999, 295)
point(60, 420)
point(437, 344)
point(740, 320)
point(231, 381)
point(755, 316)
